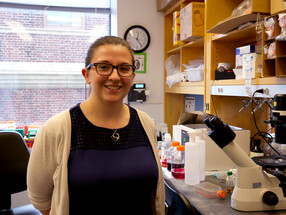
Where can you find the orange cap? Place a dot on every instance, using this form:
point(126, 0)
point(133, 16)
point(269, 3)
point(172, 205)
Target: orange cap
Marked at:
point(181, 148)
point(175, 143)
point(221, 193)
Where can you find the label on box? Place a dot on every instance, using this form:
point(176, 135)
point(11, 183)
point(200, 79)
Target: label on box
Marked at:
point(250, 65)
point(240, 51)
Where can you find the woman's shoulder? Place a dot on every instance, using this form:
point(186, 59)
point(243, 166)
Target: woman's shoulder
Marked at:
point(59, 120)
point(143, 116)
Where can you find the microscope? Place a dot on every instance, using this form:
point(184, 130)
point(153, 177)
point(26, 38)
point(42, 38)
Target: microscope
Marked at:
point(260, 181)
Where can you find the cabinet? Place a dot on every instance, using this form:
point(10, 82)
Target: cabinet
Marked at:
point(225, 96)
point(174, 96)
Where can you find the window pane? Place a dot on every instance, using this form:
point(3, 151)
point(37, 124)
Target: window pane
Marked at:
point(42, 53)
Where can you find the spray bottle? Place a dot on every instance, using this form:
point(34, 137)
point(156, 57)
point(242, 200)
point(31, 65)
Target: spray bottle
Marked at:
point(200, 139)
point(192, 159)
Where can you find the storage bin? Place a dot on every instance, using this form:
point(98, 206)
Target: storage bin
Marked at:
point(195, 74)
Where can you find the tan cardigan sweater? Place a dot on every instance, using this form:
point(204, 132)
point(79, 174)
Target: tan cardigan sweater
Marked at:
point(47, 177)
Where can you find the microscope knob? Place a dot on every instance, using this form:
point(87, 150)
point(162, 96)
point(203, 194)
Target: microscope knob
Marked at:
point(270, 198)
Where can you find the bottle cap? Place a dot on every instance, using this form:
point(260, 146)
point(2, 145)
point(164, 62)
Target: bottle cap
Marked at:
point(229, 173)
point(221, 193)
point(181, 148)
point(175, 143)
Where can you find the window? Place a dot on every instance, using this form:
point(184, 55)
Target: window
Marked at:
point(64, 19)
point(42, 52)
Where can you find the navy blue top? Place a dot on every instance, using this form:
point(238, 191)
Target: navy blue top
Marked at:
point(108, 177)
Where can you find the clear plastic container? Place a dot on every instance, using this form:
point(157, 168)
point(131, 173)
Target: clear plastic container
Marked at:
point(192, 162)
point(209, 190)
point(178, 163)
point(159, 146)
point(229, 182)
point(166, 144)
point(170, 154)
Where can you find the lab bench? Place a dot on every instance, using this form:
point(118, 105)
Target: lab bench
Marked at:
point(211, 206)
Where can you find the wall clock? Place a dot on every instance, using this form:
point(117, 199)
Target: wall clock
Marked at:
point(138, 38)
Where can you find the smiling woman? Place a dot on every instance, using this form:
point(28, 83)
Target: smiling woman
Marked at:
point(101, 143)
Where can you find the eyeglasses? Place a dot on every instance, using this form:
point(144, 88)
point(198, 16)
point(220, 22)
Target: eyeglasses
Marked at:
point(105, 69)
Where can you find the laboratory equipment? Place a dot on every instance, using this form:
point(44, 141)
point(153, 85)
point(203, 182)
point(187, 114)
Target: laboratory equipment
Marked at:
point(229, 182)
point(209, 190)
point(192, 164)
point(170, 154)
point(215, 158)
point(201, 140)
point(166, 144)
point(137, 93)
point(178, 163)
point(255, 189)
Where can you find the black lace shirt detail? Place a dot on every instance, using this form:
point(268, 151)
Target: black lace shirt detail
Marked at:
point(86, 136)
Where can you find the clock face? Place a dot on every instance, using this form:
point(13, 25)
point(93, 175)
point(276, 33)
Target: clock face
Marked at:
point(138, 38)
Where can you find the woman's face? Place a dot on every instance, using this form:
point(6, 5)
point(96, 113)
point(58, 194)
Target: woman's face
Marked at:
point(112, 88)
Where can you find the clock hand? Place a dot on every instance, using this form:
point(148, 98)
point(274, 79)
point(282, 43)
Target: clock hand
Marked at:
point(139, 42)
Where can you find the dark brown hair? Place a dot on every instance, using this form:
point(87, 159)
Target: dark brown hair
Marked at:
point(107, 40)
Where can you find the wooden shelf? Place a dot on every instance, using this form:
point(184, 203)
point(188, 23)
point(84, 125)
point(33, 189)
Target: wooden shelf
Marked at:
point(176, 50)
point(257, 81)
point(199, 43)
point(196, 88)
point(175, 7)
point(247, 33)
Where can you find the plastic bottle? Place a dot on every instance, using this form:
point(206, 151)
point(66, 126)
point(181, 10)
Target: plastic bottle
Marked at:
point(200, 139)
point(229, 182)
point(170, 154)
point(210, 190)
point(256, 150)
point(192, 164)
point(159, 147)
point(166, 144)
point(178, 163)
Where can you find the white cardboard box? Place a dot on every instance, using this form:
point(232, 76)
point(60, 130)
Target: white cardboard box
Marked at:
point(192, 21)
point(251, 65)
point(240, 51)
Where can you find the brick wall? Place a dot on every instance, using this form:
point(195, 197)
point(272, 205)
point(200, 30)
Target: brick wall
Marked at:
point(28, 106)
point(25, 37)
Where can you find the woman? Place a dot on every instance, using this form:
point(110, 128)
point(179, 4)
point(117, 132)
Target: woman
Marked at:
point(100, 156)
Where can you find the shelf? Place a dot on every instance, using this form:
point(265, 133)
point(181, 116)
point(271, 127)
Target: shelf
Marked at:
point(196, 88)
point(222, 22)
point(247, 33)
point(199, 43)
point(175, 7)
point(240, 90)
point(257, 81)
point(174, 51)
point(232, 23)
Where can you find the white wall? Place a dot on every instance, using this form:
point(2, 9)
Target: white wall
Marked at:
point(144, 12)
